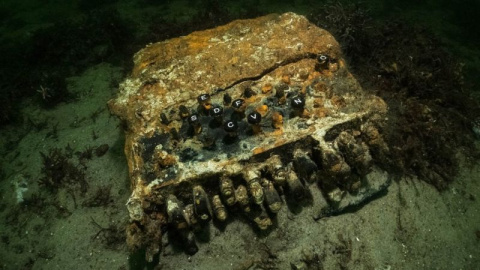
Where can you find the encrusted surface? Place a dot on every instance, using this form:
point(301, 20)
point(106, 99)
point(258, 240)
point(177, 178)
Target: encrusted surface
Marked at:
point(236, 119)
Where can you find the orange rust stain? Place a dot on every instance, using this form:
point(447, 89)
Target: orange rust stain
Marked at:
point(321, 112)
point(318, 103)
point(234, 60)
point(253, 99)
point(197, 42)
point(263, 109)
point(277, 132)
point(304, 90)
point(258, 150)
point(165, 161)
point(338, 101)
point(320, 87)
point(305, 114)
point(277, 120)
point(267, 88)
point(142, 66)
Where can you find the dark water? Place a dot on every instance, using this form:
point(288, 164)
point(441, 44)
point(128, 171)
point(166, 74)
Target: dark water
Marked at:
point(50, 40)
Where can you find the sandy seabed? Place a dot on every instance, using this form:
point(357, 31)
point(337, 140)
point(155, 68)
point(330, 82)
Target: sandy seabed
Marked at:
point(412, 226)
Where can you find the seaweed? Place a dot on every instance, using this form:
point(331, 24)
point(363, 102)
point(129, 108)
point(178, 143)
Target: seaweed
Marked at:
point(112, 237)
point(53, 134)
point(86, 154)
point(94, 135)
point(343, 251)
point(101, 150)
point(62, 211)
point(349, 23)
point(36, 203)
point(430, 110)
point(313, 260)
point(101, 197)
point(37, 125)
point(60, 172)
point(94, 115)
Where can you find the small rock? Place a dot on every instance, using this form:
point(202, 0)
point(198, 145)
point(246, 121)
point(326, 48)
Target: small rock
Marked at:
point(101, 150)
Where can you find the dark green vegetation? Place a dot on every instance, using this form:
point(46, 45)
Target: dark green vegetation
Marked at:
point(62, 170)
point(430, 110)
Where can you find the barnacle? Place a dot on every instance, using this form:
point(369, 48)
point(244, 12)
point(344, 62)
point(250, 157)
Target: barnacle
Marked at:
point(248, 140)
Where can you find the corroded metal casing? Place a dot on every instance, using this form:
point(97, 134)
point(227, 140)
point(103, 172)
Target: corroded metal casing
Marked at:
point(237, 117)
point(219, 208)
point(272, 198)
